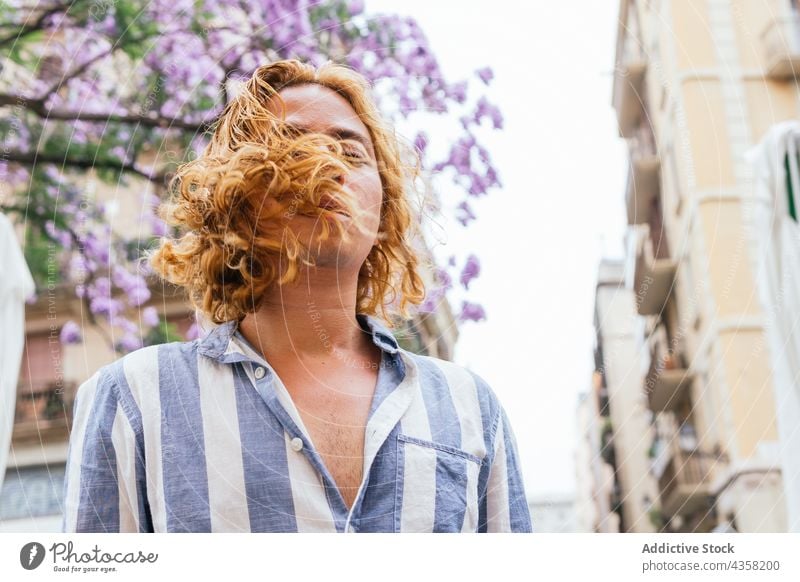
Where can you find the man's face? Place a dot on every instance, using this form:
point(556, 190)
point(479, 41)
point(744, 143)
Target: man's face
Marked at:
point(317, 109)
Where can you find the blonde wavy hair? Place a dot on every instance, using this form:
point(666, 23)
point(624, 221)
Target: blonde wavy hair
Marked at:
point(231, 204)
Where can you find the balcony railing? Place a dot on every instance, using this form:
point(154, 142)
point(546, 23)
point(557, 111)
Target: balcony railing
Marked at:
point(644, 186)
point(781, 45)
point(653, 275)
point(685, 484)
point(43, 411)
point(668, 381)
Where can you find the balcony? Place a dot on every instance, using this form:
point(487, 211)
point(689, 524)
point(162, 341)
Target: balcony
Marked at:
point(668, 381)
point(685, 484)
point(780, 42)
point(629, 98)
point(653, 276)
point(43, 412)
point(644, 187)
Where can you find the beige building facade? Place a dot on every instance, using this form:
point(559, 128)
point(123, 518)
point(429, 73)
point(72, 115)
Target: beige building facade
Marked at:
point(697, 85)
point(617, 490)
point(596, 495)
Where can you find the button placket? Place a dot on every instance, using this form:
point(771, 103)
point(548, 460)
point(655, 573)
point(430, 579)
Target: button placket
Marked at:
point(273, 397)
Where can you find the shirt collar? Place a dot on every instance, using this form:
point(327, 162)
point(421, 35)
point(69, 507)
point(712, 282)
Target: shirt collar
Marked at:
point(381, 336)
point(225, 344)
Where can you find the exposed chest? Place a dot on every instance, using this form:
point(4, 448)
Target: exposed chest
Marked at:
point(335, 413)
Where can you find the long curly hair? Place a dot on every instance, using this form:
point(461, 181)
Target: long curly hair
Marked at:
point(230, 206)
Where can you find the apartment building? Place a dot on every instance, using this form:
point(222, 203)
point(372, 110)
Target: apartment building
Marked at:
point(697, 85)
point(615, 422)
point(597, 507)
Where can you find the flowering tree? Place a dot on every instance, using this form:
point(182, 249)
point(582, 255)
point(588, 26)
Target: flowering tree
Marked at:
point(129, 88)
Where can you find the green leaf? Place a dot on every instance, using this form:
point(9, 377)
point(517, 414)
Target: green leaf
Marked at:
point(164, 332)
point(19, 52)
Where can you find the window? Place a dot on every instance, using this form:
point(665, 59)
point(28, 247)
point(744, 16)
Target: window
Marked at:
point(30, 492)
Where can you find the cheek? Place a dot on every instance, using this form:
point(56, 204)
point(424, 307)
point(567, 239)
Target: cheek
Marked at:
point(369, 189)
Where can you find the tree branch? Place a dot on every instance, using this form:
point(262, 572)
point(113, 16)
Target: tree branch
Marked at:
point(37, 106)
point(74, 73)
point(34, 157)
point(26, 29)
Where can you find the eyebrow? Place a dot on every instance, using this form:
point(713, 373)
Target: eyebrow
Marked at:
point(341, 133)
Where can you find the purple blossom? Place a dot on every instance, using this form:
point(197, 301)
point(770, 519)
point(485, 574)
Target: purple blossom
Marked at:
point(355, 7)
point(106, 306)
point(471, 312)
point(492, 178)
point(465, 214)
point(126, 325)
point(460, 154)
point(63, 238)
point(96, 249)
point(486, 109)
point(138, 295)
point(195, 332)
point(472, 268)
point(129, 342)
point(158, 226)
point(119, 152)
point(458, 91)
point(478, 185)
point(421, 142)
point(134, 286)
point(445, 281)
point(407, 105)
point(150, 316)
point(70, 333)
point(100, 287)
point(485, 74)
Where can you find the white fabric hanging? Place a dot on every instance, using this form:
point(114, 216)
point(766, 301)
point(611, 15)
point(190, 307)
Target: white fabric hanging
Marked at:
point(16, 285)
point(776, 260)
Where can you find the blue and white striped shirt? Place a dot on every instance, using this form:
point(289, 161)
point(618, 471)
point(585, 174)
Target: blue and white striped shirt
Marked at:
point(202, 436)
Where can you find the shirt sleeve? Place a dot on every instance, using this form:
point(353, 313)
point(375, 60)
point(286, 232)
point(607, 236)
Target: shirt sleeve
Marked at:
point(101, 490)
point(504, 505)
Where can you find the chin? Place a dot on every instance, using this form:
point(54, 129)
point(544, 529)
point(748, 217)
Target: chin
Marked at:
point(334, 251)
point(338, 256)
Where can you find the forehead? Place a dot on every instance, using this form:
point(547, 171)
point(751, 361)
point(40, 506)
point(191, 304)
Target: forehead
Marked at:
point(318, 109)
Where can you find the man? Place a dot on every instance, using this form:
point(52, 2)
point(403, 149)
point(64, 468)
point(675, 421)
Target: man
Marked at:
point(299, 411)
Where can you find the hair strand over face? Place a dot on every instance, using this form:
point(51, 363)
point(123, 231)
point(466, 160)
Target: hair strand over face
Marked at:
point(230, 204)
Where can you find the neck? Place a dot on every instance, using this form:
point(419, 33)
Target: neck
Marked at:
point(313, 318)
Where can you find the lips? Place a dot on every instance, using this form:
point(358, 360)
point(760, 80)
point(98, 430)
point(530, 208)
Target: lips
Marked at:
point(329, 203)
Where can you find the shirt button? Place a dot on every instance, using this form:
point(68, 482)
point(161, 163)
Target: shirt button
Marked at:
point(297, 443)
point(259, 372)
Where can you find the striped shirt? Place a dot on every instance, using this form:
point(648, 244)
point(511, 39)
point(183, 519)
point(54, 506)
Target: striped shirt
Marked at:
point(203, 436)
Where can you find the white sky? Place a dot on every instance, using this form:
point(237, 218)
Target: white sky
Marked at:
point(560, 210)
